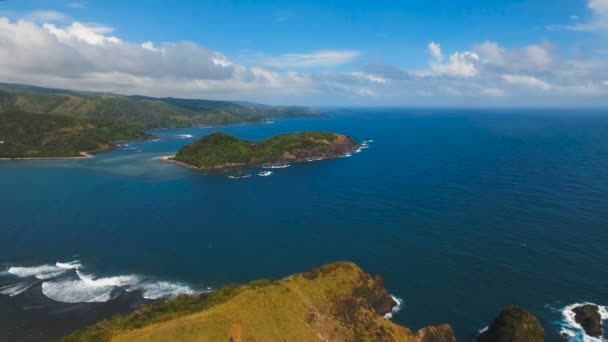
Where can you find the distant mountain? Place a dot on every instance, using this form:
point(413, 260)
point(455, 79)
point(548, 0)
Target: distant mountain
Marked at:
point(143, 111)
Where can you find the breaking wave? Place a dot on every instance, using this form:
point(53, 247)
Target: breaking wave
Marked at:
point(396, 308)
point(573, 330)
point(67, 282)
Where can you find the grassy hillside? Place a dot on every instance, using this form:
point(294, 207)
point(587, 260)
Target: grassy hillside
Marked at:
point(219, 150)
point(147, 112)
point(41, 135)
point(337, 302)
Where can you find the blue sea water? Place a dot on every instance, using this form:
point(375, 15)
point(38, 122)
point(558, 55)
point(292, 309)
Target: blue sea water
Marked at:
point(462, 212)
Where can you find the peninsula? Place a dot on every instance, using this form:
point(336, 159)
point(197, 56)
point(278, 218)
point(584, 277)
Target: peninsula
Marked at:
point(221, 151)
point(336, 302)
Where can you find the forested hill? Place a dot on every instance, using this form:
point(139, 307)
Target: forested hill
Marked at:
point(146, 112)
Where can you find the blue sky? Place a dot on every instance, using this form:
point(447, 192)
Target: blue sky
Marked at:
point(461, 53)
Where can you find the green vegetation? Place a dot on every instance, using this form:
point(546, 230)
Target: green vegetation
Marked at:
point(514, 323)
point(334, 303)
point(147, 112)
point(218, 150)
point(43, 122)
point(38, 135)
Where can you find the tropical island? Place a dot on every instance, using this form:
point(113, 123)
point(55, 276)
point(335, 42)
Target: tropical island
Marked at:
point(38, 122)
point(221, 151)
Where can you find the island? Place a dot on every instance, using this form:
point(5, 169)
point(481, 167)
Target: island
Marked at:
point(218, 151)
point(335, 302)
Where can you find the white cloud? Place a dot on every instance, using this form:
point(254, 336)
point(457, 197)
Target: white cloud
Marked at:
point(322, 58)
point(94, 35)
point(526, 80)
point(538, 56)
point(597, 22)
point(492, 53)
point(88, 57)
point(435, 51)
point(460, 64)
point(77, 4)
point(369, 77)
point(84, 56)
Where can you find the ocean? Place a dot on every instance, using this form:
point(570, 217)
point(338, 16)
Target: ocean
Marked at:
point(460, 211)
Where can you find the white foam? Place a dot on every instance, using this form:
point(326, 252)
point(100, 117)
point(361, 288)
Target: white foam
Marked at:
point(40, 272)
point(277, 166)
point(72, 265)
point(347, 155)
point(76, 291)
point(574, 330)
point(239, 177)
point(13, 290)
point(396, 308)
point(482, 330)
point(78, 287)
point(163, 289)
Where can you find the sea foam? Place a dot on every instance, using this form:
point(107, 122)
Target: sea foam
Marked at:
point(67, 282)
point(574, 331)
point(396, 308)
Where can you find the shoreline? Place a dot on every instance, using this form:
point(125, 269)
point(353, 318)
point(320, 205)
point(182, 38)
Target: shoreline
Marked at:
point(83, 155)
point(170, 159)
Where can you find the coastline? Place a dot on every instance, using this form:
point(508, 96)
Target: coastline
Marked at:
point(83, 155)
point(169, 159)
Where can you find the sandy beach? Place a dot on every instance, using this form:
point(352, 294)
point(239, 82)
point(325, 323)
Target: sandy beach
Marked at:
point(84, 155)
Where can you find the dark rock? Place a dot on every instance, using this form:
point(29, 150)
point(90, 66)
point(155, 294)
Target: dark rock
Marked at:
point(588, 316)
point(514, 323)
point(439, 333)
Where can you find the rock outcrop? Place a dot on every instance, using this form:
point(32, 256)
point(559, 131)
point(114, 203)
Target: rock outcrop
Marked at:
point(588, 316)
point(514, 323)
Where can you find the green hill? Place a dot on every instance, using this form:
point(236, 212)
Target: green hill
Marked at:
point(148, 112)
point(220, 151)
point(41, 135)
point(337, 302)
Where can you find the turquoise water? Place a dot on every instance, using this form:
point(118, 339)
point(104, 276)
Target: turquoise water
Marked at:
point(462, 212)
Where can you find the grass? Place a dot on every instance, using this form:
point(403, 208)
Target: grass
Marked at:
point(301, 307)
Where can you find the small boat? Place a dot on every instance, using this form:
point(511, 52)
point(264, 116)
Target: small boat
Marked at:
point(265, 173)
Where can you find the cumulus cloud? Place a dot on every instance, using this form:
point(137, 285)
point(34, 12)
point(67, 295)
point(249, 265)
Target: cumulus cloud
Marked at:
point(459, 64)
point(90, 57)
point(85, 56)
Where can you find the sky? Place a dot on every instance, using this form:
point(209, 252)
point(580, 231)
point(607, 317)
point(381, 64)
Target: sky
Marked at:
point(442, 53)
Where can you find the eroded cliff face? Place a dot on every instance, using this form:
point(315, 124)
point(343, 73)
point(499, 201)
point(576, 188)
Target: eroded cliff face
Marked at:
point(336, 302)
